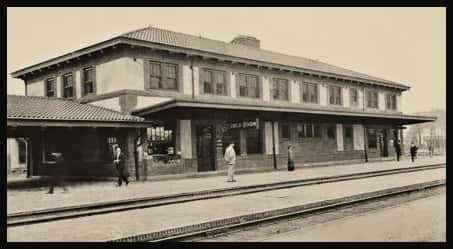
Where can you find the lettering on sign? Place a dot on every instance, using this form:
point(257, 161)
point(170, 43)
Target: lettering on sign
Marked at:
point(243, 125)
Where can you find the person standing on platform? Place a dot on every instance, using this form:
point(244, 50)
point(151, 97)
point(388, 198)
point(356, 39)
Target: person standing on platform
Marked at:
point(230, 160)
point(57, 173)
point(398, 150)
point(123, 174)
point(413, 151)
point(290, 158)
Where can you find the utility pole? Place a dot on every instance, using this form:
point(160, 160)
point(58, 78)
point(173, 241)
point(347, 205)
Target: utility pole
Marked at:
point(273, 147)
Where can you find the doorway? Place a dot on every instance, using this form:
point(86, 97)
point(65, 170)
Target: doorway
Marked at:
point(205, 148)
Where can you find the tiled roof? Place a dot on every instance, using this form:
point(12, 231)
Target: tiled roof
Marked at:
point(42, 108)
point(156, 35)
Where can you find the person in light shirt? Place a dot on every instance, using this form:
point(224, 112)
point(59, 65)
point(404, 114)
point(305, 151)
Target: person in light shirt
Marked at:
point(230, 159)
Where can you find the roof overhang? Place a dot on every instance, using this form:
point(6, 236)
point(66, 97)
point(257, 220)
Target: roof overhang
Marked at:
point(270, 112)
point(116, 41)
point(11, 122)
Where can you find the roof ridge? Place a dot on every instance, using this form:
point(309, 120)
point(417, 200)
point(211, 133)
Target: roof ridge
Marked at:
point(260, 49)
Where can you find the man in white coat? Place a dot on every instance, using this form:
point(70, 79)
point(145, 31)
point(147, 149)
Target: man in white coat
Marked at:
point(230, 159)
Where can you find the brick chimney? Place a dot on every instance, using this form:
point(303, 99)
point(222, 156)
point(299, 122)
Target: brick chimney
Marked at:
point(246, 40)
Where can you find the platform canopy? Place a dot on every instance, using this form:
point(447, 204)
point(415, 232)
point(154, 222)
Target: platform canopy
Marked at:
point(201, 108)
point(34, 111)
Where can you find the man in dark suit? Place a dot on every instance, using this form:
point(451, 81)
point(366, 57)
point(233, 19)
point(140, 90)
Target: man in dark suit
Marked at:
point(119, 162)
point(58, 171)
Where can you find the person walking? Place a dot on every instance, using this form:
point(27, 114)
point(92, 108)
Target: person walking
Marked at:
point(290, 158)
point(230, 159)
point(57, 173)
point(123, 174)
point(398, 150)
point(413, 151)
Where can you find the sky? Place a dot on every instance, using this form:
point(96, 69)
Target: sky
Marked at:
point(406, 45)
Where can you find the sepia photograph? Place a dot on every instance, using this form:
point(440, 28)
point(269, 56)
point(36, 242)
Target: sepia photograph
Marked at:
point(226, 124)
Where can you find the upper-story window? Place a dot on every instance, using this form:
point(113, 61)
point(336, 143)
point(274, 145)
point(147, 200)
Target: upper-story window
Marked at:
point(50, 87)
point(248, 86)
point(335, 97)
point(163, 76)
point(354, 96)
point(68, 85)
point(214, 82)
point(309, 92)
point(372, 99)
point(280, 89)
point(390, 101)
point(88, 80)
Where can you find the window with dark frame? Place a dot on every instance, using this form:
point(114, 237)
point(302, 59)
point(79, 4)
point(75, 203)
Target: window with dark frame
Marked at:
point(248, 86)
point(335, 97)
point(254, 141)
point(111, 143)
point(22, 151)
point(214, 82)
point(68, 85)
point(331, 131)
point(279, 89)
point(308, 130)
point(309, 92)
point(300, 128)
point(372, 99)
point(285, 131)
point(348, 132)
point(372, 138)
point(390, 101)
point(88, 80)
point(354, 96)
point(50, 87)
point(163, 76)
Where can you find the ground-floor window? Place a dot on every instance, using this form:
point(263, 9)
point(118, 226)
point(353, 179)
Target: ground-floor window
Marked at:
point(254, 141)
point(161, 142)
point(22, 151)
point(331, 131)
point(308, 130)
point(111, 143)
point(284, 131)
point(372, 138)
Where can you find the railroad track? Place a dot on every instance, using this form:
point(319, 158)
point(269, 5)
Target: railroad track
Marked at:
point(46, 215)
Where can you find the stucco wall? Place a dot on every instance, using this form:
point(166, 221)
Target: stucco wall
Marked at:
point(111, 103)
point(359, 142)
point(35, 88)
point(339, 135)
point(144, 101)
point(186, 139)
point(295, 91)
point(119, 74)
point(322, 94)
point(266, 89)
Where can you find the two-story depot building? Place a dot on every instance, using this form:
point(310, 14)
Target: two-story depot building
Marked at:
point(201, 93)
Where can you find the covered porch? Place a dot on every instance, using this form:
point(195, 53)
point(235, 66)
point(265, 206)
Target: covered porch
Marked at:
point(85, 134)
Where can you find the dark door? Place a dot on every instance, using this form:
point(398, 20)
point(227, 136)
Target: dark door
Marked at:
point(385, 146)
point(205, 148)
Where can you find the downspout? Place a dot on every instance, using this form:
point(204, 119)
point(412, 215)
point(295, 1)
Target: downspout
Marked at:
point(364, 129)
